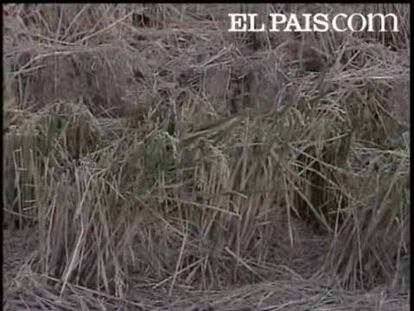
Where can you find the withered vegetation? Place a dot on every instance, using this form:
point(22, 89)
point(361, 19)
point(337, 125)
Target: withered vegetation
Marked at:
point(154, 161)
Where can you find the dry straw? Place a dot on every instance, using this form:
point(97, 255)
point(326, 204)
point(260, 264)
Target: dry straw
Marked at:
point(149, 151)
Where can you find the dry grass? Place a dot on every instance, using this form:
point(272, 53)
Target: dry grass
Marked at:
point(293, 294)
point(161, 162)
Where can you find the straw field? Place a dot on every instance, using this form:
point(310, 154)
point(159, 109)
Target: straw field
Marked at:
point(155, 161)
